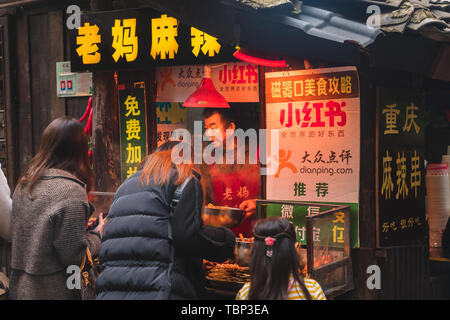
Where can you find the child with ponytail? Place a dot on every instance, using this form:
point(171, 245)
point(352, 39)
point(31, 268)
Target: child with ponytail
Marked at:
point(275, 266)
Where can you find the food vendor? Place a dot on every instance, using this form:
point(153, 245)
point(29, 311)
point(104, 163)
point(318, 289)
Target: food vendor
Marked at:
point(230, 184)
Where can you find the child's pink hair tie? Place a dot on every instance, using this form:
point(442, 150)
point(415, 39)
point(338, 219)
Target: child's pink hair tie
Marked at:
point(269, 241)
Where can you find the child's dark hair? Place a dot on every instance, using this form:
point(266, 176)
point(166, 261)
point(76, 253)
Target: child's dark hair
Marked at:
point(270, 275)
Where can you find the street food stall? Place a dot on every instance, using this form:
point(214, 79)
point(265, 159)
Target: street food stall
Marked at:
point(341, 119)
point(151, 106)
point(362, 112)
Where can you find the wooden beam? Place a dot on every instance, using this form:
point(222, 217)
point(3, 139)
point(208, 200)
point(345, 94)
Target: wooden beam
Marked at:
point(19, 3)
point(101, 5)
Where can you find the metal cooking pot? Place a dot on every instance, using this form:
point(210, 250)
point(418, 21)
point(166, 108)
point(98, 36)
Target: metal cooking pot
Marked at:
point(222, 216)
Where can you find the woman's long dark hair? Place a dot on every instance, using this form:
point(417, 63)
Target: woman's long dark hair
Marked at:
point(64, 146)
point(270, 275)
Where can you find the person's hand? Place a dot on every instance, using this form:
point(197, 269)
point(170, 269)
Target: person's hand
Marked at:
point(101, 225)
point(249, 206)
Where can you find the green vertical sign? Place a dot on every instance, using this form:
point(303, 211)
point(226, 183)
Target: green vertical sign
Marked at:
point(133, 130)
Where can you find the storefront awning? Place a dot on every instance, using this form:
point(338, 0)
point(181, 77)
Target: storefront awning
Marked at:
point(280, 27)
point(328, 25)
point(334, 31)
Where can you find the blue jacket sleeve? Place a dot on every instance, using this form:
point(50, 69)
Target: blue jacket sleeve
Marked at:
point(191, 236)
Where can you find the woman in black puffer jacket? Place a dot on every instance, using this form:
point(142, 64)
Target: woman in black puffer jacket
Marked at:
point(150, 251)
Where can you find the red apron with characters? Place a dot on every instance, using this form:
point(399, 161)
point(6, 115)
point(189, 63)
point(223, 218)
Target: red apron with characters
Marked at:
point(232, 189)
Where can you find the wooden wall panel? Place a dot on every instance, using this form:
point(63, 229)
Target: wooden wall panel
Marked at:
point(40, 75)
point(23, 90)
point(75, 106)
point(39, 44)
point(56, 54)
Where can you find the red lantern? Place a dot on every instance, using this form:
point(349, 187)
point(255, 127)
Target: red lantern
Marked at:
point(88, 129)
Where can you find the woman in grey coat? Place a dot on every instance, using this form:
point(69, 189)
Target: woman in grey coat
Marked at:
point(49, 215)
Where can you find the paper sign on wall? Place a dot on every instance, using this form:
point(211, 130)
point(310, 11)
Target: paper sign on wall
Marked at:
point(317, 113)
point(72, 84)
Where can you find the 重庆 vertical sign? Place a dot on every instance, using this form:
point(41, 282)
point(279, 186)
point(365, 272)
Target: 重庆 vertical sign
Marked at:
point(318, 114)
point(401, 179)
point(133, 130)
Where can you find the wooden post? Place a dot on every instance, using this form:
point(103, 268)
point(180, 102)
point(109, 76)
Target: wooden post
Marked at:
point(150, 96)
point(365, 255)
point(105, 131)
point(367, 183)
point(105, 123)
point(262, 125)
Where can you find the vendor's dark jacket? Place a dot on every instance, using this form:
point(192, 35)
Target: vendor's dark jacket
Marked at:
point(140, 258)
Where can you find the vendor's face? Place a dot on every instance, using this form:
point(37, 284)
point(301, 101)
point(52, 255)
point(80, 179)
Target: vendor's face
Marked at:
point(216, 129)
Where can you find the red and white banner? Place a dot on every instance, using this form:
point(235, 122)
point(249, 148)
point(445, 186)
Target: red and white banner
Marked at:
point(236, 81)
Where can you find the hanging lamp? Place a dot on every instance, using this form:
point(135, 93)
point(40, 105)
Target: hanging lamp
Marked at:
point(206, 96)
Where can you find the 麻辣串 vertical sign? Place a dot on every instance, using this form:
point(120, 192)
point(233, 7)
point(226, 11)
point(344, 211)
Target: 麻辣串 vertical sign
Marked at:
point(317, 112)
point(133, 130)
point(401, 178)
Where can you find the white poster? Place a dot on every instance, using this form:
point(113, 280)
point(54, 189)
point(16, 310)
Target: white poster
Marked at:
point(317, 112)
point(235, 81)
